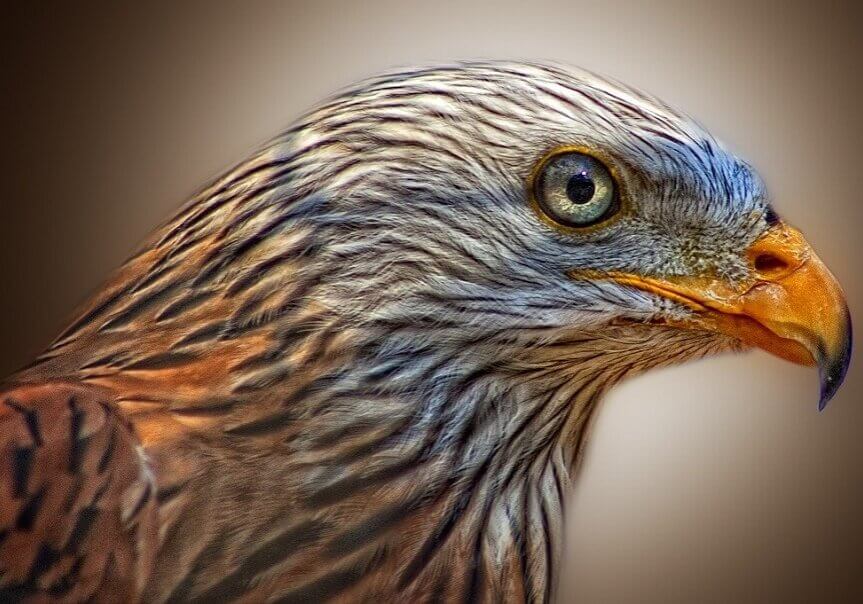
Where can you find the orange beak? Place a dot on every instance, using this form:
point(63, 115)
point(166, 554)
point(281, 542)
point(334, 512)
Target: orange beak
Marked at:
point(792, 307)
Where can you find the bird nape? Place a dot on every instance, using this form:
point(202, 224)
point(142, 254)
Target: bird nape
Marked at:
point(360, 364)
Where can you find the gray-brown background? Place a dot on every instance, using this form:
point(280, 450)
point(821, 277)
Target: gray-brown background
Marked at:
point(714, 482)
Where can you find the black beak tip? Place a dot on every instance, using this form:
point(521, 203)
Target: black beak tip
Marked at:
point(833, 367)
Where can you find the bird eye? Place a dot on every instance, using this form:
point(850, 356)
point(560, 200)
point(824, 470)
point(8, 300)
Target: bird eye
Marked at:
point(575, 190)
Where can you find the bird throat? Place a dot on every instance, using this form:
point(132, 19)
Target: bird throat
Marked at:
point(447, 475)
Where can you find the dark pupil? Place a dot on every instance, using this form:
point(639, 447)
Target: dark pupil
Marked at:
point(580, 188)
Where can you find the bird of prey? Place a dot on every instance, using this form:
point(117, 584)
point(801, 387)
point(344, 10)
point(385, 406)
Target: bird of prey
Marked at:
point(360, 364)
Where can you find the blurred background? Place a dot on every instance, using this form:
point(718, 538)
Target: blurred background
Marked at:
point(713, 482)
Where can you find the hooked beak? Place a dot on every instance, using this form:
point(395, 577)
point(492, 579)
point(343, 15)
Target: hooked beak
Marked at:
point(793, 306)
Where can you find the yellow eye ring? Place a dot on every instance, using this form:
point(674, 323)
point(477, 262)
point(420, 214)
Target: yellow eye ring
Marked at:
point(574, 190)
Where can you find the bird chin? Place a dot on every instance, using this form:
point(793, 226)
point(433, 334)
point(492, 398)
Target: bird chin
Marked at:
point(701, 338)
point(663, 340)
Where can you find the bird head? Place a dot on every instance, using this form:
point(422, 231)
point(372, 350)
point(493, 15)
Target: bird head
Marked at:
point(390, 326)
point(532, 204)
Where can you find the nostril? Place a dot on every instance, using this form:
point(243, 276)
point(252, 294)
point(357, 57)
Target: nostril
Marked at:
point(768, 263)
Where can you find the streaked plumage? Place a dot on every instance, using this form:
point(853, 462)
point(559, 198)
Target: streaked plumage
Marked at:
point(357, 364)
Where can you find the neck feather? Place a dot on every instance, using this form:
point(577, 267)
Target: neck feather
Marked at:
point(447, 475)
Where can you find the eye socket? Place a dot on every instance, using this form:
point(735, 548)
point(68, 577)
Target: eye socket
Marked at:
point(575, 190)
